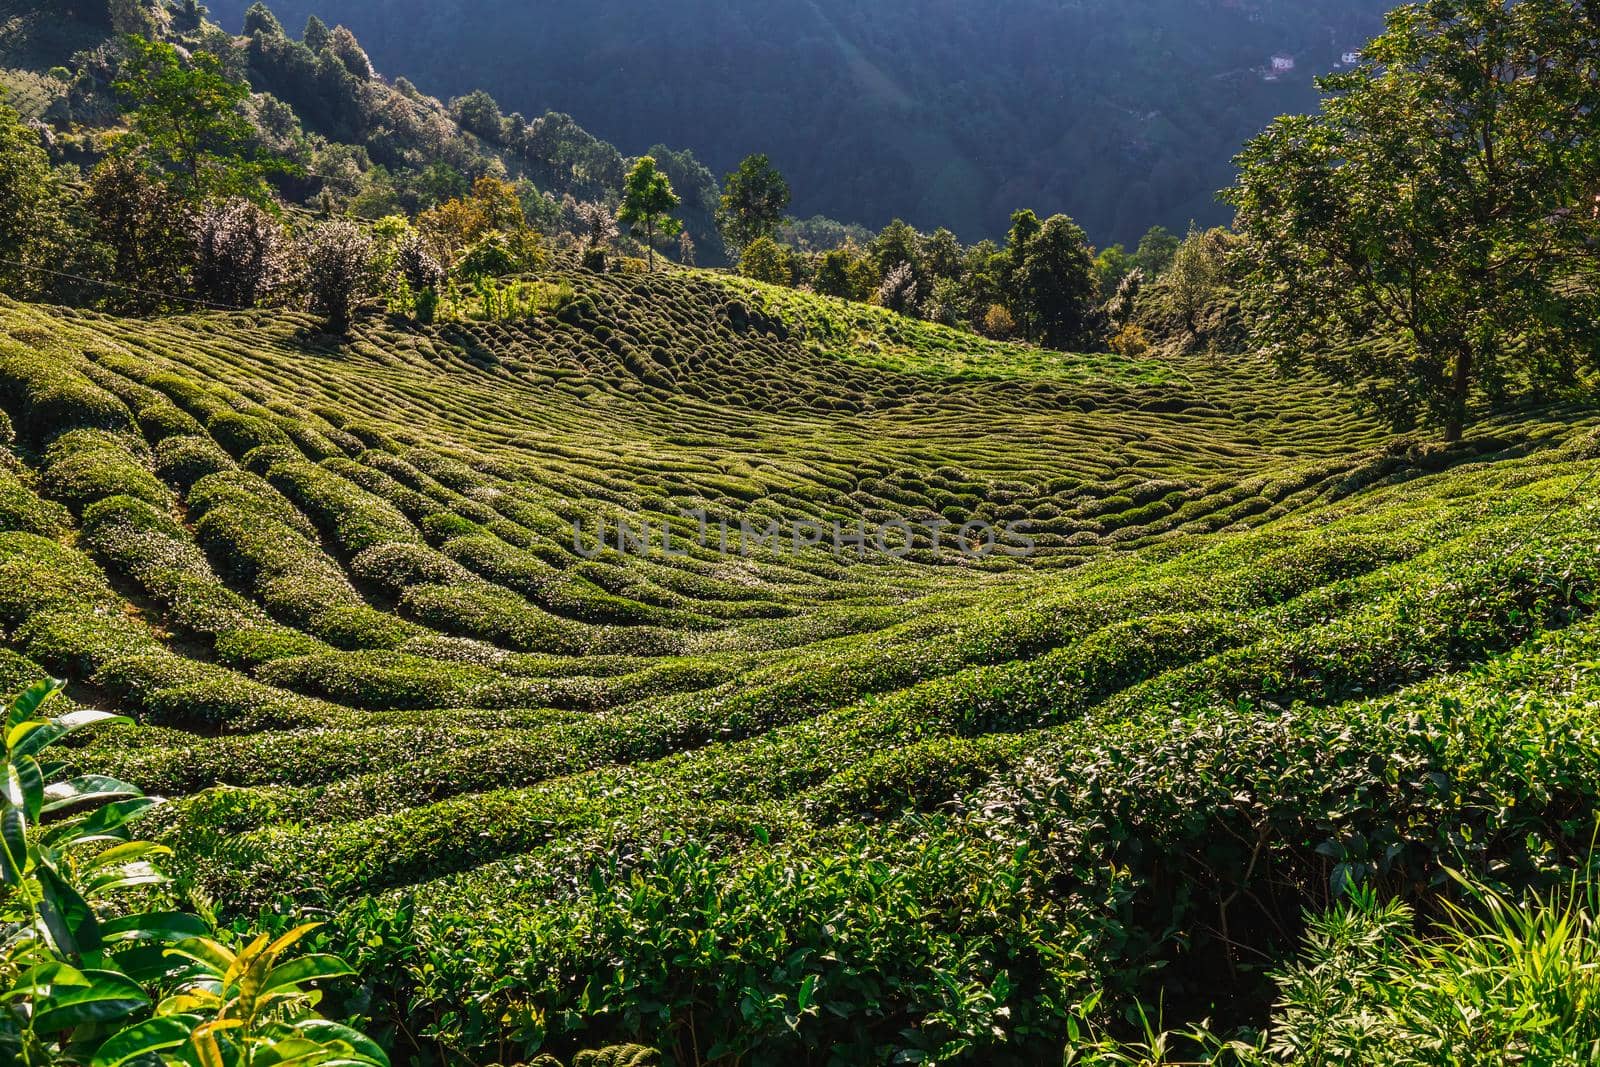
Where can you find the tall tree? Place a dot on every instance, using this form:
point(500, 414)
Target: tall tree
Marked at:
point(188, 122)
point(337, 257)
point(1198, 270)
point(1433, 227)
point(1058, 286)
point(1155, 251)
point(898, 245)
point(259, 19)
point(833, 274)
point(754, 198)
point(239, 255)
point(766, 261)
point(148, 231)
point(1025, 226)
point(648, 201)
point(942, 254)
point(316, 34)
point(29, 207)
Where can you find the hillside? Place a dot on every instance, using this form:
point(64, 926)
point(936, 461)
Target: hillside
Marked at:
point(1120, 114)
point(353, 139)
point(797, 805)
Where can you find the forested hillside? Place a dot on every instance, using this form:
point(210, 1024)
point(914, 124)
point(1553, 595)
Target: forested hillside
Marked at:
point(350, 139)
point(1120, 114)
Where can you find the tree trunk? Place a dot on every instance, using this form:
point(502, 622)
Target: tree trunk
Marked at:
point(1460, 382)
point(650, 245)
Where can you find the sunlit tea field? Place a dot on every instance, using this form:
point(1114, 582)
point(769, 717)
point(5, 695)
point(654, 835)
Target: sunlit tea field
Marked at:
point(1235, 646)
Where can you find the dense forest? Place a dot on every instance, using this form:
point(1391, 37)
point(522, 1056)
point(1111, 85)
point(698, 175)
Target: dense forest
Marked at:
point(1120, 114)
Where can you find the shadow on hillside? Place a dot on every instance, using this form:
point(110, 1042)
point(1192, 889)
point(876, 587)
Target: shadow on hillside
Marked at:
point(1412, 456)
point(312, 340)
point(471, 347)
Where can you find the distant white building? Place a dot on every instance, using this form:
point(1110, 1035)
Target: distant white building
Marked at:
point(1282, 64)
point(1350, 59)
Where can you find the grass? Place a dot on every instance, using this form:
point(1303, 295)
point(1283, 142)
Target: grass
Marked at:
point(785, 805)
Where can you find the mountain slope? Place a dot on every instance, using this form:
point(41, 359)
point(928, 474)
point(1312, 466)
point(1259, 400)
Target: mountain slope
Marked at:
point(360, 142)
point(941, 113)
point(617, 794)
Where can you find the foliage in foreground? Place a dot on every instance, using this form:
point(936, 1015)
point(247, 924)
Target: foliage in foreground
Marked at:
point(1501, 980)
point(96, 966)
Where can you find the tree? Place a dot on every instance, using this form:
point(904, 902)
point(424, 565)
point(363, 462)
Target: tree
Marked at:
point(983, 280)
point(493, 210)
point(1124, 302)
point(1111, 266)
point(1025, 226)
point(258, 20)
point(1130, 341)
point(316, 35)
point(344, 47)
point(1199, 269)
point(415, 272)
point(189, 125)
point(754, 198)
point(1057, 285)
point(451, 226)
point(945, 304)
point(648, 200)
point(189, 16)
point(131, 16)
point(478, 113)
point(766, 261)
point(147, 229)
point(1433, 227)
point(438, 182)
point(941, 255)
point(337, 258)
point(492, 257)
point(30, 200)
point(1155, 251)
point(835, 274)
point(898, 292)
point(998, 323)
point(898, 245)
point(500, 202)
point(597, 225)
point(239, 255)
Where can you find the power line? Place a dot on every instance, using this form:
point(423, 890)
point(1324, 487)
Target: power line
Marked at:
point(1571, 498)
point(125, 288)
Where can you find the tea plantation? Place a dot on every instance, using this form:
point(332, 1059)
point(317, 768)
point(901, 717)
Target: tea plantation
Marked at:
point(1236, 650)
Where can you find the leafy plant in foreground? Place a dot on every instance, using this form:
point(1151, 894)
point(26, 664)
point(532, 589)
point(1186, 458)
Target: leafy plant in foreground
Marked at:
point(86, 980)
point(1498, 980)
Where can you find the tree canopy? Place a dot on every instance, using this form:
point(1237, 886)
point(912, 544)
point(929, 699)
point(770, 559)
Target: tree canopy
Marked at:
point(28, 205)
point(754, 198)
point(648, 201)
point(1057, 287)
point(188, 124)
point(1432, 229)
